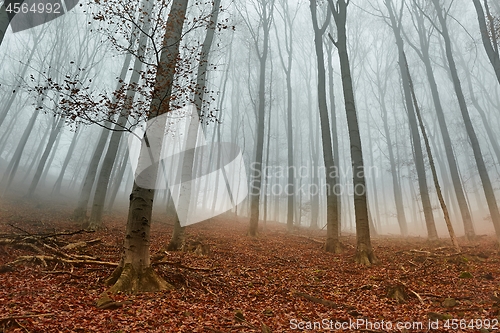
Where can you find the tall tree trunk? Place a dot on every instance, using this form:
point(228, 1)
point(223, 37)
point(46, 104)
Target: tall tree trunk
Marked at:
point(11, 170)
point(267, 182)
point(335, 139)
point(37, 154)
point(364, 250)
point(417, 147)
point(488, 35)
point(179, 232)
point(204, 57)
point(423, 52)
point(10, 100)
point(314, 158)
point(332, 228)
point(76, 173)
point(256, 177)
point(396, 185)
point(118, 179)
point(80, 212)
point(481, 166)
point(492, 136)
point(95, 221)
point(50, 161)
point(56, 130)
point(57, 186)
point(287, 68)
point(134, 272)
point(374, 183)
point(431, 162)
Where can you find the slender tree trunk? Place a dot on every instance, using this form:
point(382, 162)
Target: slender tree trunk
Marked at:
point(4, 140)
point(57, 186)
point(481, 166)
point(80, 212)
point(79, 163)
point(314, 158)
point(118, 180)
point(417, 147)
point(134, 272)
point(332, 230)
point(204, 57)
point(287, 68)
point(493, 138)
point(364, 250)
point(56, 129)
point(267, 186)
point(335, 139)
point(374, 183)
point(256, 177)
point(178, 235)
point(37, 154)
point(4, 24)
point(95, 221)
point(11, 170)
point(431, 162)
point(396, 185)
point(50, 161)
point(423, 52)
point(488, 35)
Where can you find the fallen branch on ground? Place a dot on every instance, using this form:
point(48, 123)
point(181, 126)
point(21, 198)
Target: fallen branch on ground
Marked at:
point(68, 261)
point(26, 316)
point(417, 295)
point(181, 265)
point(79, 245)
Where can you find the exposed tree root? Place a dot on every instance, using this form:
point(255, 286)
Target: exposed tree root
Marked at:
point(43, 259)
point(79, 215)
point(316, 300)
point(178, 237)
point(333, 246)
point(92, 225)
point(366, 257)
point(107, 303)
point(127, 279)
point(398, 293)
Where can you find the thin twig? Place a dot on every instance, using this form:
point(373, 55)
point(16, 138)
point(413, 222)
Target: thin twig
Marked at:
point(26, 316)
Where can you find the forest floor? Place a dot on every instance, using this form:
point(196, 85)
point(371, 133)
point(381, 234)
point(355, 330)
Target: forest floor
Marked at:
point(277, 282)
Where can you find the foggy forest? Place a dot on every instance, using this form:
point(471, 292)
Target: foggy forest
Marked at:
point(249, 166)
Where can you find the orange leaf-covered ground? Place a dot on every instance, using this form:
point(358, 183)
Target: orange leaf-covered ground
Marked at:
point(276, 279)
